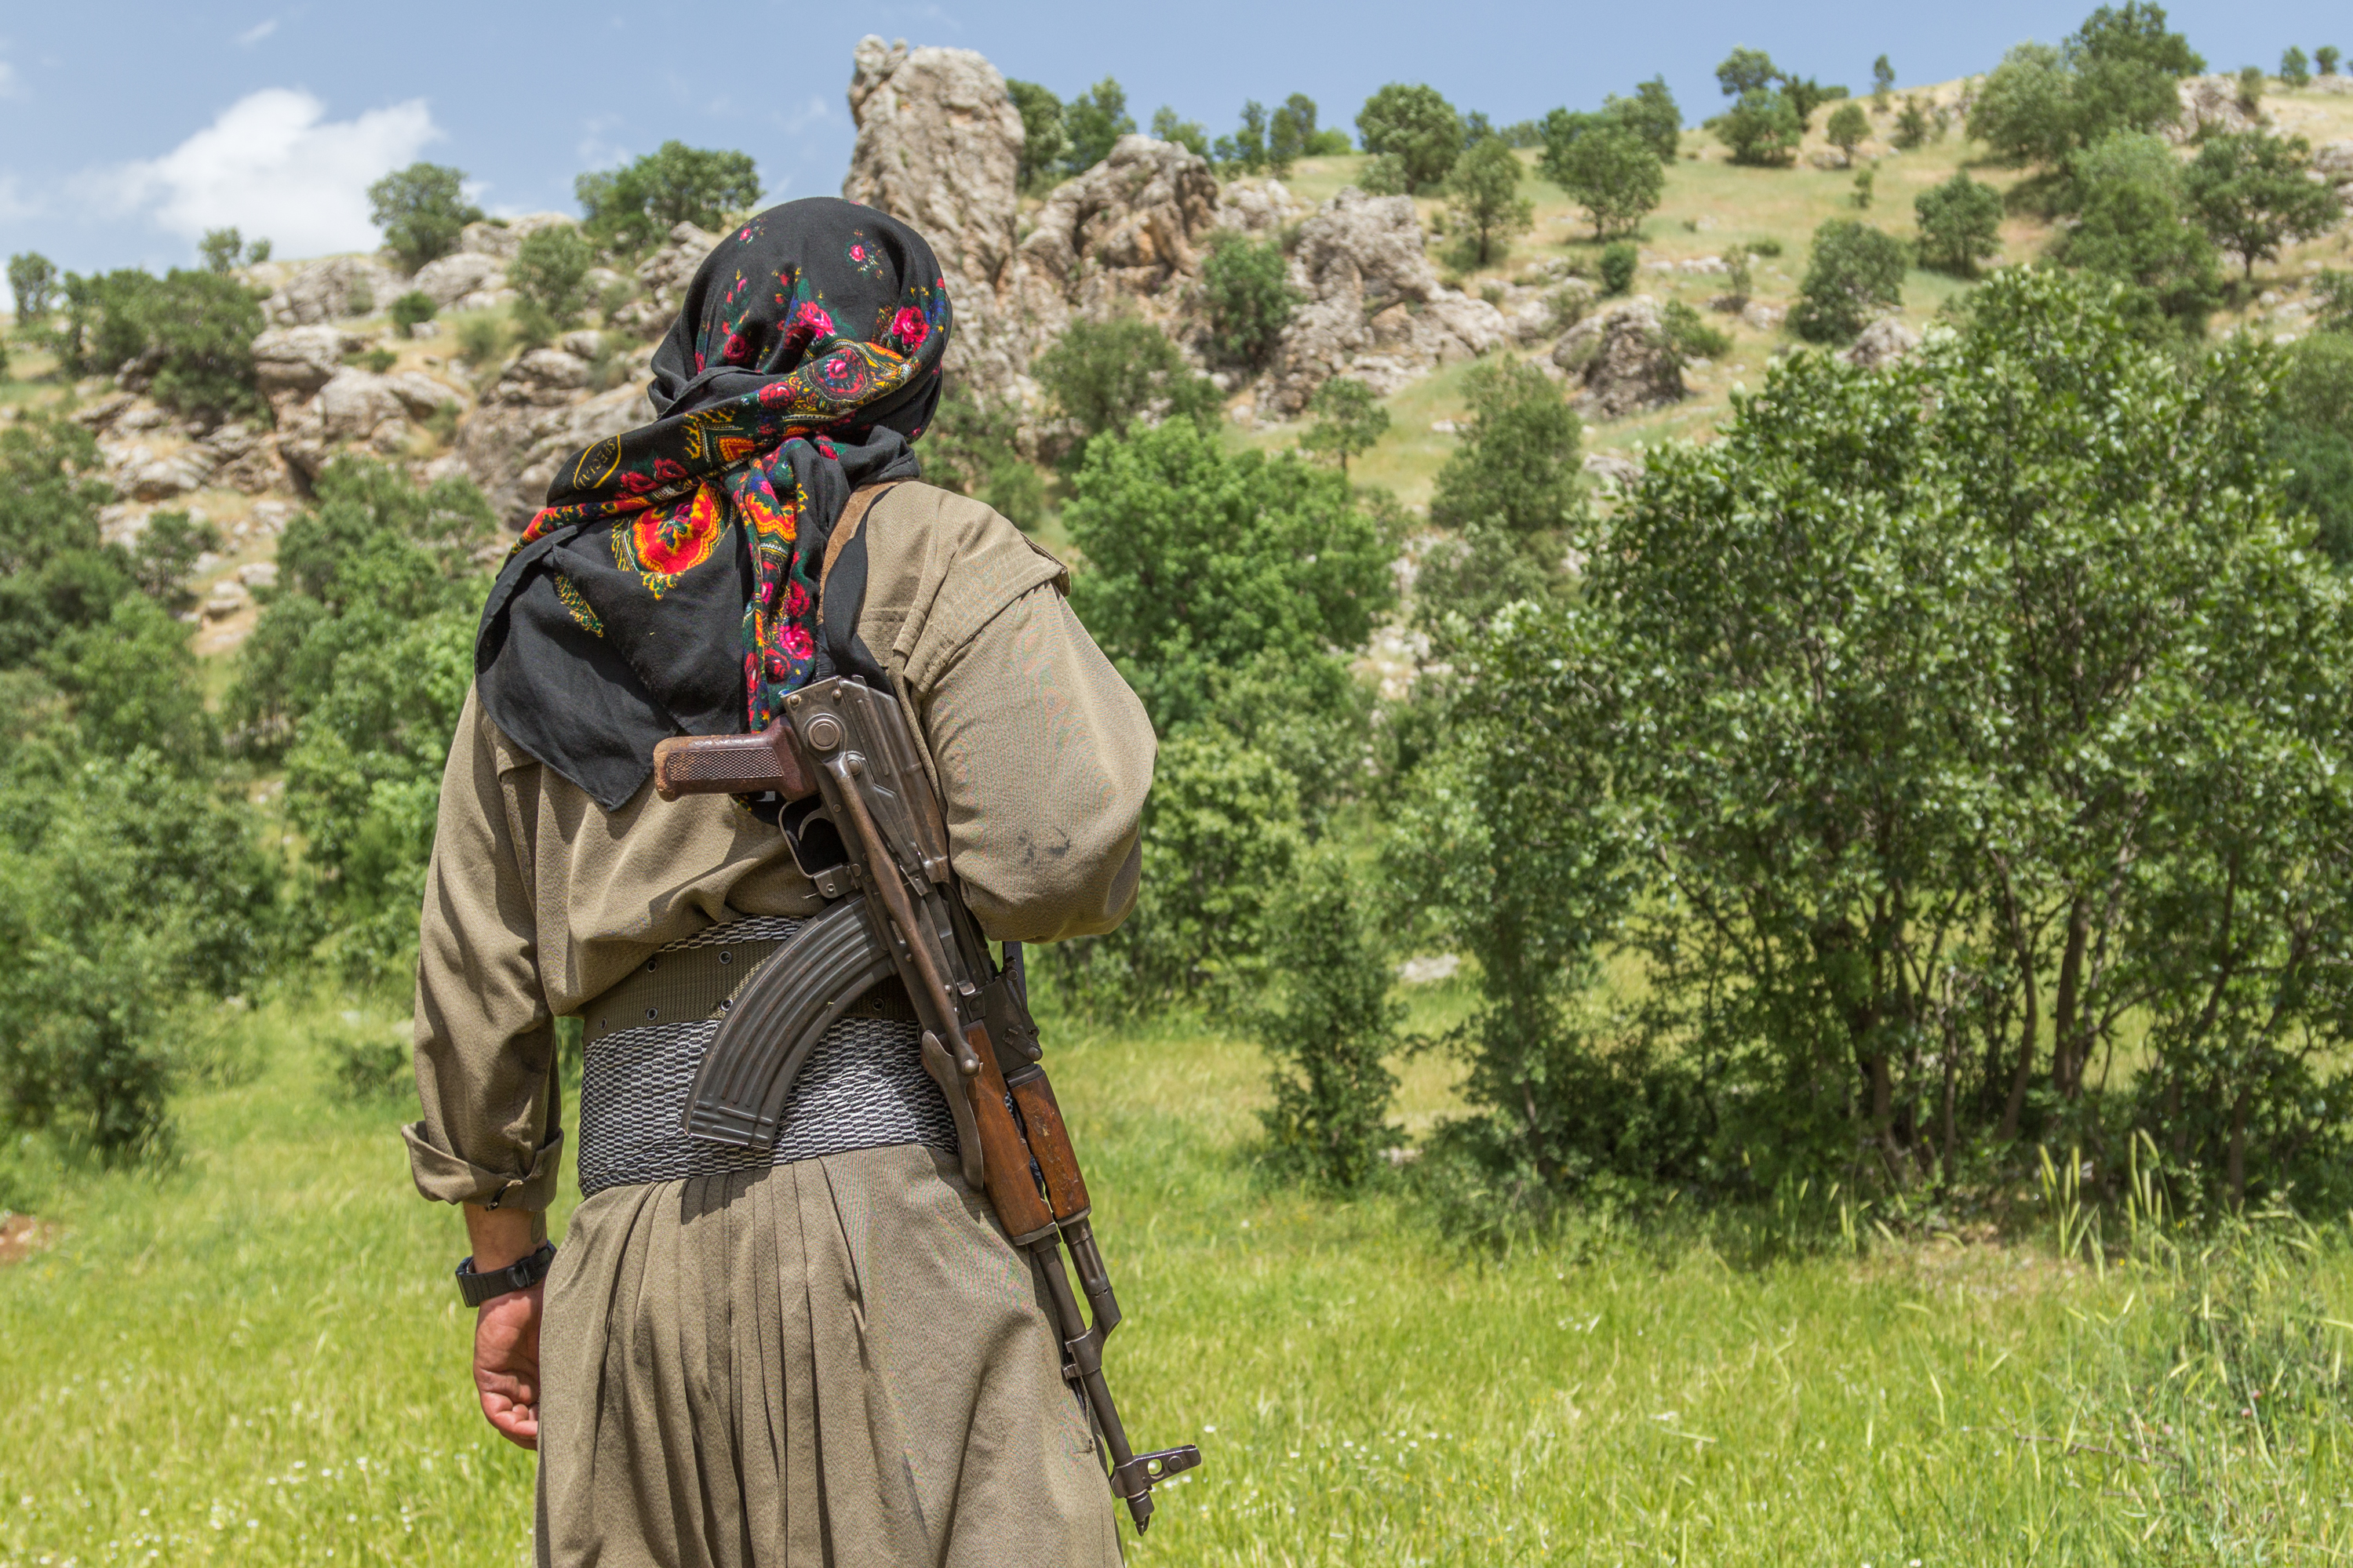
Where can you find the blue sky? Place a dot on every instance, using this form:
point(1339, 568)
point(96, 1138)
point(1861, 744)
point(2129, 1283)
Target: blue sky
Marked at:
point(125, 130)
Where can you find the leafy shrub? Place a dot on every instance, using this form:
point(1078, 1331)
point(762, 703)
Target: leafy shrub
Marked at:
point(481, 339)
point(1327, 1029)
point(970, 450)
point(2313, 436)
point(1415, 125)
point(2295, 68)
point(2249, 193)
point(187, 337)
point(1849, 128)
point(2133, 225)
point(411, 311)
point(1220, 834)
point(1189, 134)
point(1292, 135)
point(1619, 261)
point(1912, 127)
point(550, 271)
point(378, 360)
point(1651, 114)
point(379, 1065)
point(1855, 271)
point(1767, 248)
point(1385, 175)
point(635, 207)
point(1688, 334)
point(1761, 128)
point(354, 675)
point(2113, 74)
point(1104, 375)
point(1507, 496)
point(1246, 285)
point(2326, 57)
point(421, 210)
point(1960, 224)
point(1276, 557)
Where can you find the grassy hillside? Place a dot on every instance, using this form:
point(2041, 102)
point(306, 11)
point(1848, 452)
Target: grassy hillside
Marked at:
point(1712, 205)
point(257, 1357)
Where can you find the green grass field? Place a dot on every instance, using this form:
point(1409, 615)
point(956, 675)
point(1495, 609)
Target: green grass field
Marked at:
point(257, 1357)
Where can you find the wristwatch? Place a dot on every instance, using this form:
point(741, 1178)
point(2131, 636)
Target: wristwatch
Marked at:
point(520, 1275)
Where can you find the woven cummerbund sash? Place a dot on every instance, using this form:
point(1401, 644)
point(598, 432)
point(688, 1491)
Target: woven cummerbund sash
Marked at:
point(863, 1086)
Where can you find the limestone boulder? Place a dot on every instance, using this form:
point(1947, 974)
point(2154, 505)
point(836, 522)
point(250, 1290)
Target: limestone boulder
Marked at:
point(662, 279)
point(2211, 106)
point(1618, 362)
point(500, 241)
point(1882, 344)
point(1127, 229)
point(172, 474)
point(1257, 206)
point(353, 404)
point(457, 275)
point(296, 361)
point(246, 458)
point(542, 408)
point(335, 290)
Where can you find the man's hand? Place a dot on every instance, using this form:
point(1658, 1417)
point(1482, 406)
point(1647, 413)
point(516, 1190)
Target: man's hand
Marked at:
point(506, 1327)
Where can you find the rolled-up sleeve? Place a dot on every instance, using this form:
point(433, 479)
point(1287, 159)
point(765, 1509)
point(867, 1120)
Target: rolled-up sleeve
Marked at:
point(1045, 757)
point(491, 1131)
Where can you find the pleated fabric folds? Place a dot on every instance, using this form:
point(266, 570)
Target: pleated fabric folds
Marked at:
point(838, 1361)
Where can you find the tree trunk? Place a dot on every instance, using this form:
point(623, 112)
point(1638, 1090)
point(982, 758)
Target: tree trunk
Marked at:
point(2238, 1164)
point(2015, 1106)
point(2066, 1050)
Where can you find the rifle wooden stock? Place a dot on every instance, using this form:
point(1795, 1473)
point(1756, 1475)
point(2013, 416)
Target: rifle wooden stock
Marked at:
point(1050, 1144)
point(731, 764)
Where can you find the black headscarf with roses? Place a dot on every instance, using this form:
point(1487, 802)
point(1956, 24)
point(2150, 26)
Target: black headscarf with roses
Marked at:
point(670, 585)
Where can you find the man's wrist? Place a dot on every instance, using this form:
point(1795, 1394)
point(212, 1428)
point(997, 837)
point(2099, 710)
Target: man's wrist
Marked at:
point(477, 1286)
point(501, 1237)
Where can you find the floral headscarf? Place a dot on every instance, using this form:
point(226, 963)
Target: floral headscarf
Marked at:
point(670, 584)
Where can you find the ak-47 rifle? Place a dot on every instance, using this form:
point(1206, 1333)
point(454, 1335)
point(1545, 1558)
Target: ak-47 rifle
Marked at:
point(878, 849)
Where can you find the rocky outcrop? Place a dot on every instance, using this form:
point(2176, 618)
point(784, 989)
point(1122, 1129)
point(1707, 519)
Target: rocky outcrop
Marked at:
point(1375, 309)
point(1618, 362)
point(335, 290)
point(540, 410)
point(939, 147)
point(359, 408)
point(2333, 162)
point(1882, 342)
point(1257, 206)
point(662, 279)
point(462, 273)
point(500, 241)
point(296, 361)
point(2211, 106)
point(1128, 233)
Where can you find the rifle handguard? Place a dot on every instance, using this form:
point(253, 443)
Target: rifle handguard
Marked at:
point(731, 764)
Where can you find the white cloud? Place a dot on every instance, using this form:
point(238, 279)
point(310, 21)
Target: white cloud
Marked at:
point(254, 33)
point(272, 164)
point(8, 79)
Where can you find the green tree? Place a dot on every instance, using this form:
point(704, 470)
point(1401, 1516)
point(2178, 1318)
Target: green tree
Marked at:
point(1189, 134)
point(410, 310)
point(1415, 126)
point(2125, 64)
point(550, 271)
point(1246, 149)
point(1329, 1029)
point(1103, 375)
point(1273, 556)
point(1483, 196)
point(2326, 57)
point(1246, 285)
point(1913, 128)
point(1848, 129)
point(2313, 436)
point(2133, 225)
point(187, 337)
point(1960, 224)
point(1866, 184)
point(1883, 82)
point(1505, 498)
point(1855, 272)
point(1043, 141)
point(1611, 172)
point(33, 283)
point(1745, 71)
point(2295, 69)
point(1291, 135)
point(421, 210)
point(1652, 114)
point(1348, 420)
point(1761, 128)
point(1806, 95)
point(2026, 112)
point(635, 207)
point(2249, 192)
point(1092, 122)
point(221, 249)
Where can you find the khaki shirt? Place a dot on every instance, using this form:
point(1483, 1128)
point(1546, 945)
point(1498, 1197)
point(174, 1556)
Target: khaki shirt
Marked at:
point(536, 900)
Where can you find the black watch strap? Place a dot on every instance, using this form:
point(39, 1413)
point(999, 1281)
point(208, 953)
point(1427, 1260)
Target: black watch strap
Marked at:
point(520, 1275)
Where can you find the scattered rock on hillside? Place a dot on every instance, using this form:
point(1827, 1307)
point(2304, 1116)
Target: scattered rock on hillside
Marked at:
point(662, 279)
point(2333, 162)
point(1619, 360)
point(502, 240)
point(1759, 317)
point(247, 458)
point(1882, 342)
point(172, 474)
point(1375, 307)
point(1256, 207)
point(457, 275)
point(331, 290)
point(296, 361)
point(2209, 105)
point(1613, 470)
point(539, 412)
